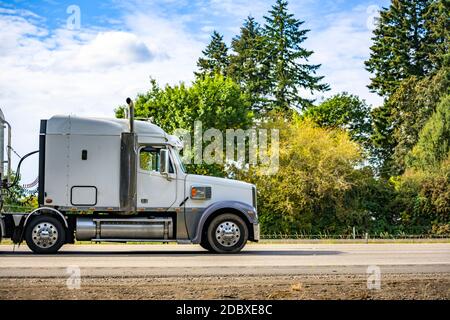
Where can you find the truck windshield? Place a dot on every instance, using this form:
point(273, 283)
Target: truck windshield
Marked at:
point(178, 159)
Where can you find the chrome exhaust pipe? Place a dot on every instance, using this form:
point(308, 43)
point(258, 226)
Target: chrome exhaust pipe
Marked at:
point(128, 166)
point(2, 146)
point(131, 114)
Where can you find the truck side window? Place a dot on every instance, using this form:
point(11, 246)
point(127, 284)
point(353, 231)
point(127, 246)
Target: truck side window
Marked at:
point(149, 159)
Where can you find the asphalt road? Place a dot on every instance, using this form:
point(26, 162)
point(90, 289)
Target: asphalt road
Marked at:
point(104, 260)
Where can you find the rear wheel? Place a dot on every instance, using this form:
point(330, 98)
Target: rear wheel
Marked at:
point(227, 233)
point(45, 234)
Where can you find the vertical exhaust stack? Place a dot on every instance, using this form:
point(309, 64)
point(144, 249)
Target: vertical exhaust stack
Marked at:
point(2, 145)
point(5, 175)
point(128, 166)
point(131, 114)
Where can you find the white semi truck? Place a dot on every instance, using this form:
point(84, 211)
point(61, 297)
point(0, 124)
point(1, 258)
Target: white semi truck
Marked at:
point(122, 180)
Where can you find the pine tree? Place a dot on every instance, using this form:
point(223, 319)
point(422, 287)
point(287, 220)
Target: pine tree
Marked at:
point(215, 60)
point(408, 62)
point(437, 22)
point(246, 63)
point(399, 47)
point(287, 60)
point(433, 145)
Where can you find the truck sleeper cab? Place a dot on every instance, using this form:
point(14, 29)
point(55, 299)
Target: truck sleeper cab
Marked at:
point(122, 180)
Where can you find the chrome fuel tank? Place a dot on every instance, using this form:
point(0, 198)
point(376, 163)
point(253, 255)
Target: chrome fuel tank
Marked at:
point(136, 228)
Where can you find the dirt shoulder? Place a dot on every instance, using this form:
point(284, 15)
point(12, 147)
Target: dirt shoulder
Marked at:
point(320, 286)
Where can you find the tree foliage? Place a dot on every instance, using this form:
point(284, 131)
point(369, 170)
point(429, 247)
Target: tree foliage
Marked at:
point(437, 22)
point(423, 199)
point(325, 183)
point(269, 62)
point(400, 47)
point(16, 199)
point(345, 111)
point(247, 63)
point(215, 58)
point(287, 60)
point(308, 193)
point(433, 145)
point(398, 122)
point(216, 102)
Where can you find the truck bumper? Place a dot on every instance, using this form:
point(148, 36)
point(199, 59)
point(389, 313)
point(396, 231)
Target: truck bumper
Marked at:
point(256, 232)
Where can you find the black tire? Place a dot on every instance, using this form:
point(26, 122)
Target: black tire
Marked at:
point(227, 246)
point(205, 245)
point(50, 245)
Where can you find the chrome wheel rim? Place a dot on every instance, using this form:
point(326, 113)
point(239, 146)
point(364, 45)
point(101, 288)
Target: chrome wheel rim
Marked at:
point(44, 235)
point(228, 233)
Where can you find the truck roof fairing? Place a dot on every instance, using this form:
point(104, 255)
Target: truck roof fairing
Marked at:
point(99, 126)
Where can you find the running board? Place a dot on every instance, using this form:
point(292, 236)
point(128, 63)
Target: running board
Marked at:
point(133, 240)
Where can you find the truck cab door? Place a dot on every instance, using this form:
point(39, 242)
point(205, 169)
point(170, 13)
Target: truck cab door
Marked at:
point(154, 190)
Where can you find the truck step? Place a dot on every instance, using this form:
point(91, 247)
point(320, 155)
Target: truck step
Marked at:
point(133, 240)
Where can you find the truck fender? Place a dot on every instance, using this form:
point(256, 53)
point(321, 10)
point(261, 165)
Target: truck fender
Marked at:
point(27, 217)
point(49, 209)
point(247, 210)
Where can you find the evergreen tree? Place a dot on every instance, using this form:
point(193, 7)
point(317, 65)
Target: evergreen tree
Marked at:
point(215, 60)
point(410, 68)
point(398, 122)
point(287, 60)
point(247, 62)
point(433, 144)
point(400, 47)
point(382, 140)
point(437, 21)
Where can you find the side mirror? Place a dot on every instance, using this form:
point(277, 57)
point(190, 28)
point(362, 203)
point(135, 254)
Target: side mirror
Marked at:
point(164, 161)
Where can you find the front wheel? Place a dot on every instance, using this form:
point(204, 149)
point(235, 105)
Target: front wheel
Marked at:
point(205, 244)
point(227, 233)
point(44, 234)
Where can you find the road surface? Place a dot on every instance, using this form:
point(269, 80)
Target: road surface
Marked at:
point(272, 270)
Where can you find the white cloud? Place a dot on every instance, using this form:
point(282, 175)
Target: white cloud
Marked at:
point(110, 49)
point(83, 72)
point(91, 71)
point(341, 47)
point(21, 12)
point(239, 8)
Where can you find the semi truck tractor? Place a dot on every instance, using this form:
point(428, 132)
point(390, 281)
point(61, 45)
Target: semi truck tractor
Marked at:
point(121, 180)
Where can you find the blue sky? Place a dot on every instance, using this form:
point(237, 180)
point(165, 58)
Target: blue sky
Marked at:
point(49, 68)
point(197, 15)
